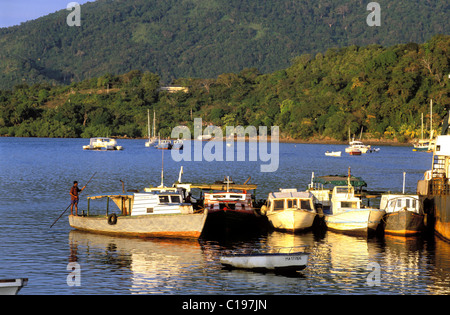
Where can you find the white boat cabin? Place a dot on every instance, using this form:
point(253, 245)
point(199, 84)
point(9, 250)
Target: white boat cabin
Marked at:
point(147, 203)
point(343, 198)
point(393, 203)
point(290, 199)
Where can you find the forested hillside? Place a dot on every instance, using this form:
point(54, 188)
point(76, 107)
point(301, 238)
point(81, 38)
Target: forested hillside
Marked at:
point(202, 38)
point(380, 90)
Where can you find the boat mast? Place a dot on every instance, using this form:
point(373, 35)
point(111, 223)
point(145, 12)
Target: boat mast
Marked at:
point(154, 124)
point(421, 136)
point(148, 125)
point(431, 119)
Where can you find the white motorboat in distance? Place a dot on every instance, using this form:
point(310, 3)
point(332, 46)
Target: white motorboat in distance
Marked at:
point(333, 153)
point(102, 144)
point(280, 261)
point(12, 286)
point(356, 145)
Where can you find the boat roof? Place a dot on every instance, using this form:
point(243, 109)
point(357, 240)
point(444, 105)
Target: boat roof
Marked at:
point(340, 180)
point(131, 194)
point(111, 195)
point(290, 194)
point(222, 186)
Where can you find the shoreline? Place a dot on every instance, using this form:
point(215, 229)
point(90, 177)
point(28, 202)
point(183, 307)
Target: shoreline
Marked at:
point(372, 142)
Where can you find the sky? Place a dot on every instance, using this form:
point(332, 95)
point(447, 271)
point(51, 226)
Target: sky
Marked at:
point(14, 12)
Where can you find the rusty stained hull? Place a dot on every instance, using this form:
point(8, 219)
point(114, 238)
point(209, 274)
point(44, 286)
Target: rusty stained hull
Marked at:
point(404, 223)
point(182, 226)
point(438, 206)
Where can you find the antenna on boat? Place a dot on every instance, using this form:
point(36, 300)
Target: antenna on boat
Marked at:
point(179, 175)
point(404, 175)
point(349, 184)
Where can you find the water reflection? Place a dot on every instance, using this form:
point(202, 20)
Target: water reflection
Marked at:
point(338, 264)
point(154, 265)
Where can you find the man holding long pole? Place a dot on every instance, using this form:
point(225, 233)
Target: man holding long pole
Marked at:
point(74, 191)
point(74, 194)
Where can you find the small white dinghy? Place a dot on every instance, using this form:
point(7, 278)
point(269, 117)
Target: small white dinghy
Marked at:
point(12, 286)
point(288, 260)
point(333, 153)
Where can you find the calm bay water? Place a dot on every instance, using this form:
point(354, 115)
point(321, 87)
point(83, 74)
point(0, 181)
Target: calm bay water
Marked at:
point(36, 175)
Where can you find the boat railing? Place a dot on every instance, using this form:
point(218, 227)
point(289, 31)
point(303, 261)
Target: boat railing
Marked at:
point(439, 186)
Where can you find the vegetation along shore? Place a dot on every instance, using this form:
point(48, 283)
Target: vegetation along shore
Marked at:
point(381, 91)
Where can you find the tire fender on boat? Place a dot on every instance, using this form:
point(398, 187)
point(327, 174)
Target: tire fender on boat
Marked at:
point(112, 219)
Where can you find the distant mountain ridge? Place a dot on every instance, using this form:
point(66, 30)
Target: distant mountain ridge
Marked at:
point(202, 38)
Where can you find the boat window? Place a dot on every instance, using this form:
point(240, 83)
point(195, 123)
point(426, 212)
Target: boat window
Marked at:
point(414, 203)
point(278, 205)
point(290, 203)
point(408, 203)
point(349, 204)
point(305, 204)
point(344, 190)
point(164, 199)
point(399, 203)
point(175, 199)
point(235, 196)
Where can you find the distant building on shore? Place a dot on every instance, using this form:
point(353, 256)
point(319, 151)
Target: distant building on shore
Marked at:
point(174, 89)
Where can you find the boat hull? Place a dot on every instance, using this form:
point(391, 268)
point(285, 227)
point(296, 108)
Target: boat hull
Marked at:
point(291, 220)
point(188, 226)
point(404, 223)
point(12, 286)
point(220, 219)
point(355, 221)
point(438, 206)
point(266, 262)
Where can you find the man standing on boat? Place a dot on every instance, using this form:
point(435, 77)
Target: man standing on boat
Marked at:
point(74, 191)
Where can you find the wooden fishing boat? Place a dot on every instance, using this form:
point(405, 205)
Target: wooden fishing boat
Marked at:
point(148, 214)
point(12, 286)
point(232, 208)
point(102, 144)
point(290, 210)
point(267, 261)
point(404, 214)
